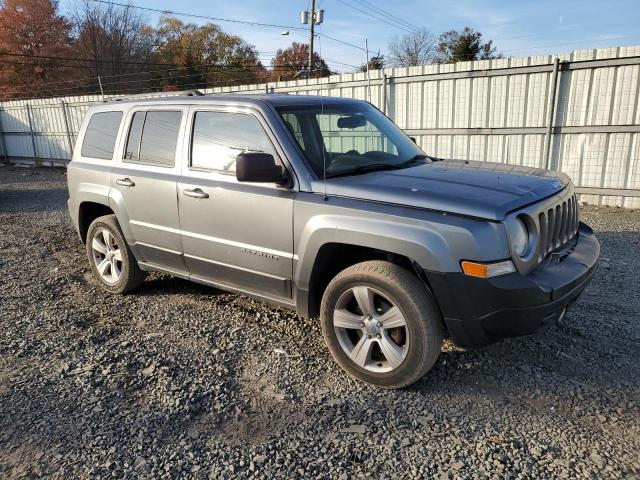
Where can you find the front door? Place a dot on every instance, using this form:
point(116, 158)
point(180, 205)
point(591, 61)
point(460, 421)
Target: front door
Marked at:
point(144, 186)
point(234, 234)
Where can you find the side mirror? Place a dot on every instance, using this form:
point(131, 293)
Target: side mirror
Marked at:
point(259, 167)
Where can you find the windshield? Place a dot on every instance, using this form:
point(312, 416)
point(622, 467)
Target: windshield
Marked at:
point(349, 138)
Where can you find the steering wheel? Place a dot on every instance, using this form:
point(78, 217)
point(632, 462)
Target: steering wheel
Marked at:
point(345, 159)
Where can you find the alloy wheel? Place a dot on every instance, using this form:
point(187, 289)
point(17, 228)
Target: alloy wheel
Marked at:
point(371, 329)
point(107, 256)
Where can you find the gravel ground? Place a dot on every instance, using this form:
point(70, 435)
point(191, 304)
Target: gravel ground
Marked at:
point(180, 380)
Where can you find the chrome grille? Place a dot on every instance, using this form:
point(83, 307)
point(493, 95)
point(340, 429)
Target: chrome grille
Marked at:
point(558, 225)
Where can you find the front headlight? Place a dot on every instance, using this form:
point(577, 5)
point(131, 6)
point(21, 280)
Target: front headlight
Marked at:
point(519, 237)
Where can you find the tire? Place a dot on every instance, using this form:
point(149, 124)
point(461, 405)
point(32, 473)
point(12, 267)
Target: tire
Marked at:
point(122, 274)
point(377, 297)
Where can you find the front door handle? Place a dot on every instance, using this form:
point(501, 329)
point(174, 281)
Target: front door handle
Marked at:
point(125, 182)
point(195, 193)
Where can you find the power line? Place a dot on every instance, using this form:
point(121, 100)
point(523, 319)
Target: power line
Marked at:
point(377, 17)
point(340, 41)
point(203, 17)
point(212, 71)
point(386, 14)
point(163, 70)
point(158, 89)
point(110, 62)
point(555, 45)
point(544, 33)
point(68, 59)
point(219, 19)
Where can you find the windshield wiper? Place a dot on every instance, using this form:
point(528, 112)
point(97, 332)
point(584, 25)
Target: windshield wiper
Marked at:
point(412, 160)
point(366, 168)
point(377, 167)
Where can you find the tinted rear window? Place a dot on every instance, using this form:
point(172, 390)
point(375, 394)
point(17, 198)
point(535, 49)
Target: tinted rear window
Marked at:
point(100, 138)
point(157, 144)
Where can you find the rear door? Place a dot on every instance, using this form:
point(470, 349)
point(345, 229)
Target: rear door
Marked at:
point(234, 234)
point(144, 185)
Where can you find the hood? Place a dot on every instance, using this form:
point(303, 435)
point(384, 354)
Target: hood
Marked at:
point(477, 189)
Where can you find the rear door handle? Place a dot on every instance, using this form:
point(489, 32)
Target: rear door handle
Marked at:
point(195, 193)
point(125, 182)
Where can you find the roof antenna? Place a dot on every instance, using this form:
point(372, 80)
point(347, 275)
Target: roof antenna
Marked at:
point(324, 150)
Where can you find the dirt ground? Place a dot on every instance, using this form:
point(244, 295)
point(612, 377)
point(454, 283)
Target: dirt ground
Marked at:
point(178, 380)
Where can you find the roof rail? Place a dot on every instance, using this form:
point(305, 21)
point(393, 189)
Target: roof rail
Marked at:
point(188, 93)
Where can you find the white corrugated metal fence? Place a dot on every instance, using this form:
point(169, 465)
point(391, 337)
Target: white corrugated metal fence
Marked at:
point(575, 112)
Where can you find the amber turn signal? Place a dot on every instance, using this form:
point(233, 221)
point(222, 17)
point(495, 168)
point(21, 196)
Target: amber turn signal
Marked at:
point(486, 270)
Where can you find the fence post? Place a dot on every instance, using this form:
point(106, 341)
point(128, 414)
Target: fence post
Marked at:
point(63, 105)
point(384, 93)
point(5, 152)
point(33, 140)
point(551, 113)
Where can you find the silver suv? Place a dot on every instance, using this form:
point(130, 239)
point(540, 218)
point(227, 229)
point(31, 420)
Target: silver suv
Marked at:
point(323, 205)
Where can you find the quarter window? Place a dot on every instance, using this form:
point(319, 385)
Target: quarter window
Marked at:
point(153, 137)
point(218, 137)
point(135, 132)
point(100, 137)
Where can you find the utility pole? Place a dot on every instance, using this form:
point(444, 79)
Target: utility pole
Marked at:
point(311, 17)
point(311, 25)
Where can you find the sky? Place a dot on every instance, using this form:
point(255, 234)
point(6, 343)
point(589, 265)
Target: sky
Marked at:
point(518, 28)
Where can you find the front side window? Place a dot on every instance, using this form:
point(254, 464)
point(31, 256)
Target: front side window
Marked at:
point(100, 137)
point(346, 138)
point(153, 137)
point(218, 137)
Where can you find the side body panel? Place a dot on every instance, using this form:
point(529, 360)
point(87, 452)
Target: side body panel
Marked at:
point(147, 207)
point(241, 234)
point(88, 179)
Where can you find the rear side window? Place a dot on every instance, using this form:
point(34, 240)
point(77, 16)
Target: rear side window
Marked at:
point(218, 137)
point(100, 137)
point(135, 132)
point(153, 137)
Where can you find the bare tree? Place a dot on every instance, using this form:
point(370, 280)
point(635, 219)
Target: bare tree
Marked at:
point(417, 48)
point(117, 40)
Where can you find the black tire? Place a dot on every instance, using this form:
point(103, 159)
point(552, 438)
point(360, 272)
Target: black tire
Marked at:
point(130, 276)
point(417, 305)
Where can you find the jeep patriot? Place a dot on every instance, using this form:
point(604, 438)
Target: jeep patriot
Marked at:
point(325, 206)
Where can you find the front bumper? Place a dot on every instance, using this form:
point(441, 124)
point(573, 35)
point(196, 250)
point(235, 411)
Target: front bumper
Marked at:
point(480, 311)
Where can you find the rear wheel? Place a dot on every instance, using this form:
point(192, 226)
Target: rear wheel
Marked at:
point(381, 324)
point(110, 258)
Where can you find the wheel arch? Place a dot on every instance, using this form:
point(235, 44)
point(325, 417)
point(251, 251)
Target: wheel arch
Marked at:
point(327, 250)
point(88, 211)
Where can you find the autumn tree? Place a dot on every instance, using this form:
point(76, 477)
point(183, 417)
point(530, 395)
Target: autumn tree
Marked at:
point(30, 31)
point(118, 42)
point(463, 46)
point(290, 62)
point(205, 55)
point(412, 49)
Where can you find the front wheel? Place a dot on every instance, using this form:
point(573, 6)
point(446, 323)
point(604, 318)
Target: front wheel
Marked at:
point(381, 324)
